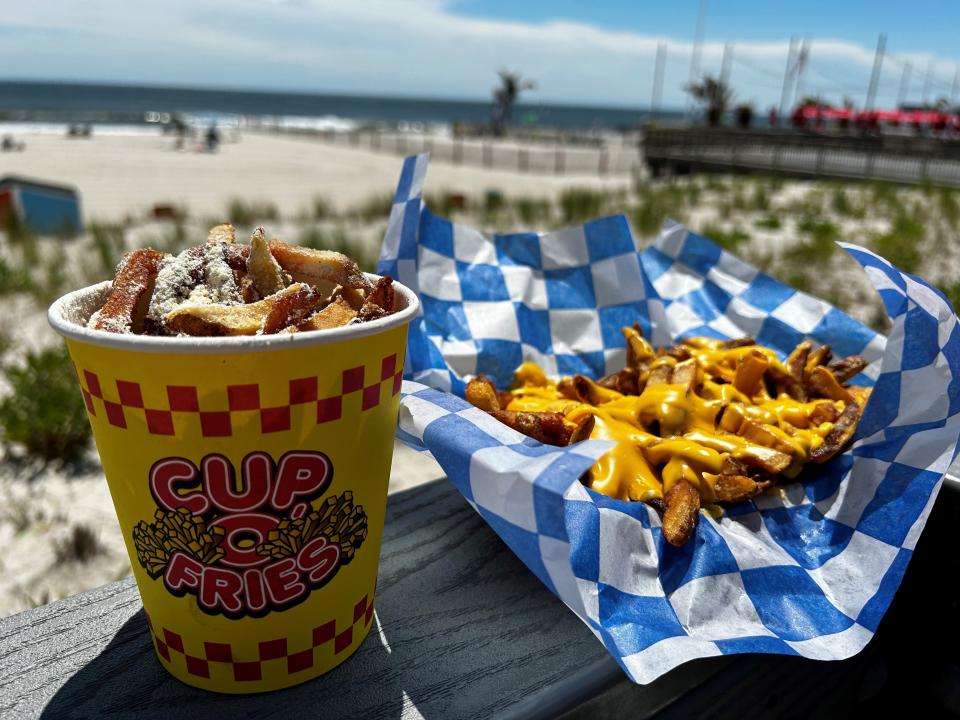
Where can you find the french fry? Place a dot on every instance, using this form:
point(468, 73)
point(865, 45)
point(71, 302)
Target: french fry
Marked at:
point(847, 368)
point(591, 393)
point(685, 374)
point(546, 427)
point(481, 393)
point(265, 272)
point(821, 382)
point(759, 435)
point(220, 320)
point(744, 341)
point(824, 412)
point(841, 433)
point(323, 269)
point(625, 382)
point(639, 351)
point(292, 309)
point(821, 356)
point(749, 377)
point(126, 305)
point(226, 234)
point(786, 382)
point(660, 375)
point(336, 314)
point(678, 352)
point(680, 517)
point(582, 430)
point(379, 303)
point(797, 360)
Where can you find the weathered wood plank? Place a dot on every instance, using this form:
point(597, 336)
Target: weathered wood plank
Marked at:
point(462, 629)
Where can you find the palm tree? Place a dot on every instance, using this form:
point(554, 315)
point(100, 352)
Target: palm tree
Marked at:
point(505, 96)
point(715, 96)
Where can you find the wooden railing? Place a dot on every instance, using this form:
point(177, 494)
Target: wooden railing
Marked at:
point(894, 158)
point(464, 630)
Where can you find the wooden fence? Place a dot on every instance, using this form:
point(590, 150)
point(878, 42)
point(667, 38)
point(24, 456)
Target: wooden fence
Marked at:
point(602, 155)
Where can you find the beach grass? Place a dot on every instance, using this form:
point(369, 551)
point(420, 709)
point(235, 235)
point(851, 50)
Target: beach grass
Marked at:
point(321, 208)
point(578, 205)
point(247, 213)
point(533, 212)
point(818, 241)
point(373, 209)
point(14, 278)
point(901, 245)
point(43, 413)
point(109, 241)
point(80, 545)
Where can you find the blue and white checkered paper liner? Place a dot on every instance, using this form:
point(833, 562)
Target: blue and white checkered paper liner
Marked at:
point(810, 571)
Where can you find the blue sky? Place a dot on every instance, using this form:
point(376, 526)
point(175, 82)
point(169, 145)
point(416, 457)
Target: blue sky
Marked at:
point(930, 25)
point(599, 53)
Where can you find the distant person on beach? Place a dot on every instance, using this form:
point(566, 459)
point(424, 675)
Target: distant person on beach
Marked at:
point(11, 145)
point(180, 129)
point(213, 138)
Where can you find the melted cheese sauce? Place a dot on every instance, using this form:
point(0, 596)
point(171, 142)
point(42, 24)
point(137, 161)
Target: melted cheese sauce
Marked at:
point(671, 432)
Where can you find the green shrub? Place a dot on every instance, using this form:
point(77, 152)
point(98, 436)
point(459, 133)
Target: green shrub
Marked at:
point(761, 198)
point(901, 245)
point(952, 292)
point(377, 207)
point(648, 217)
point(322, 208)
point(840, 201)
point(533, 211)
point(949, 207)
point(14, 279)
point(715, 183)
point(6, 342)
point(247, 213)
point(44, 410)
point(819, 244)
point(81, 545)
point(770, 222)
point(799, 280)
point(728, 240)
point(109, 241)
point(578, 205)
point(55, 278)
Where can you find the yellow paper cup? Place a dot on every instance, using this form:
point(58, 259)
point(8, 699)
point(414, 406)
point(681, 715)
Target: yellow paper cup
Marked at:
point(250, 480)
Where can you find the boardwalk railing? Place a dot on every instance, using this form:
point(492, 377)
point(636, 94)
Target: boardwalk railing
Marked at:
point(901, 158)
point(610, 154)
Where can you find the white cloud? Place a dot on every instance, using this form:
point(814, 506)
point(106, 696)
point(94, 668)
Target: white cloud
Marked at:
point(397, 47)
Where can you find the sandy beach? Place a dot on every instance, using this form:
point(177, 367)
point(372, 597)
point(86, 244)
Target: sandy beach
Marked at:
point(120, 175)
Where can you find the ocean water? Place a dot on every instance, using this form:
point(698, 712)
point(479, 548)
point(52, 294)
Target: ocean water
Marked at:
point(51, 106)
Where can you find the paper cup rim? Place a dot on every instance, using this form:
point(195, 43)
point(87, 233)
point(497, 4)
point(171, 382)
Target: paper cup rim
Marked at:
point(186, 345)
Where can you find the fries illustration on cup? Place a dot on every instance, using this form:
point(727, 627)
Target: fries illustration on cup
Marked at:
point(227, 288)
point(699, 423)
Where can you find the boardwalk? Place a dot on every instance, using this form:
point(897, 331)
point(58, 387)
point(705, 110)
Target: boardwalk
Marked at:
point(903, 159)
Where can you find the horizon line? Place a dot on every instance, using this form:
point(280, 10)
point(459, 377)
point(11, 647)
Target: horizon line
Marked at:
point(307, 92)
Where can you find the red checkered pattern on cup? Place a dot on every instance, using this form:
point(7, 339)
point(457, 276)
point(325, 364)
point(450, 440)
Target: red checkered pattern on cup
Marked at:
point(168, 642)
point(241, 398)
